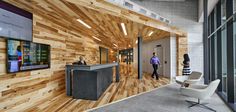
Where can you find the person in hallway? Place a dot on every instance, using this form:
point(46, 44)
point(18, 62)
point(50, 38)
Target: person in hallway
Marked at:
point(155, 62)
point(81, 61)
point(186, 68)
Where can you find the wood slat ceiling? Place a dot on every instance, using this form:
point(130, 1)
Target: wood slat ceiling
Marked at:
point(104, 26)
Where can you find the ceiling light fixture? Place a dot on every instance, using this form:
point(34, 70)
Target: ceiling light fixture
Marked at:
point(136, 41)
point(82, 22)
point(96, 38)
point(115, 45)
point(150, 33)
point(123, 28)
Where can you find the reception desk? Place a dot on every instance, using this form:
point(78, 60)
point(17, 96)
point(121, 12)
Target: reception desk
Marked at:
point(89, 81)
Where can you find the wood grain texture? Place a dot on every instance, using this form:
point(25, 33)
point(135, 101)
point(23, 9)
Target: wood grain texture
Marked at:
point(54, 23)
point(182, 48)
point(105, 26)
point(128, 86)
point(23, 89)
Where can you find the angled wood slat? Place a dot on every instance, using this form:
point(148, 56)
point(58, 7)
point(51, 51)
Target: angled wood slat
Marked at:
point(128, 86)
point(105, 26)
point(54, 23)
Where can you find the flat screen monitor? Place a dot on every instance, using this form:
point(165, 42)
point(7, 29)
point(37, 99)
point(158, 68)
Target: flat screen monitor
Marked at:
point(15, 23)
point(26, 55)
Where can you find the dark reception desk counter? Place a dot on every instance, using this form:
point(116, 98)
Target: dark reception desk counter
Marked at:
point(89, 81)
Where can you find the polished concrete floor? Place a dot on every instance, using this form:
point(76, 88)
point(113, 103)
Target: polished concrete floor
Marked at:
point(165, 99)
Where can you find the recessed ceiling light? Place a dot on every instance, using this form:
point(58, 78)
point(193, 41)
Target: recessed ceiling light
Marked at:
point(150, 33)
point(123, 28)
point(115, 45)
point(82, 22)
point(96, 38)
point(136, 41)
point(129, 45)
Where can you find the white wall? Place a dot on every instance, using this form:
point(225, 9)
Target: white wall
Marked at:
point(169, 54)
point(173, 54)
point(148, 49)
point(185, 16)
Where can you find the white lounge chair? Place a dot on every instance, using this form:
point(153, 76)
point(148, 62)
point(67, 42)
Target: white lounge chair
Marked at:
point(193, 78)
point(200, 92)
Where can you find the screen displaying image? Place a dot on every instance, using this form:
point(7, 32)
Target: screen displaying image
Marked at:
point(24, 55)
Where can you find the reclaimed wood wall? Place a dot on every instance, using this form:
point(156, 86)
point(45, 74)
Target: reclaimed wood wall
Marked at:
point(26, 88)
point(182, 48)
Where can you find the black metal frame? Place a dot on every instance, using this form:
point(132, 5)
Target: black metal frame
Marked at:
point(230, 52)
point(205, 42)
point(219, 44)
point(203, 105)
point(140, 57)
point(7, 60)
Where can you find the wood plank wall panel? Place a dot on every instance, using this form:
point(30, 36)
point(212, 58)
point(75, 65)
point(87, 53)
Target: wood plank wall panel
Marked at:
point(26, 88)
point(182, 48)
point(53, 25)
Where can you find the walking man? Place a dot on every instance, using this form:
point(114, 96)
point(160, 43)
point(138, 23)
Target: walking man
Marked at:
point(155, 62)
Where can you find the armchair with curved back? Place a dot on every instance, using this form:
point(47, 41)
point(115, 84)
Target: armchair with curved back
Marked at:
point(193, 78)
point(200, 92)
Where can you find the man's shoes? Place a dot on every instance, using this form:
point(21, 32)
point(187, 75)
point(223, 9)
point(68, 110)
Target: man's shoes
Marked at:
point(152, 76)
point(157, 78)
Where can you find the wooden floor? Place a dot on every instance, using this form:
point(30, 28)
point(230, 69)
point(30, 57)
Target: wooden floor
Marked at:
point(129, 85)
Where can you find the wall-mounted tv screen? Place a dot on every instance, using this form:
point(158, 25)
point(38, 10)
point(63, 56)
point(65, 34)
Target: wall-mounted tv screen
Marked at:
point(15, 23)
point(26, 55)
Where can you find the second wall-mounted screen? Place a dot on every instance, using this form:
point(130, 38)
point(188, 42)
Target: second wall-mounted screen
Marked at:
point(25, 55)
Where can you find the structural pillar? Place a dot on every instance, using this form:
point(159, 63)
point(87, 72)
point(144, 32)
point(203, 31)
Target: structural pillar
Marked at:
point(205, 42)
point(140, 71)
point(118, 67)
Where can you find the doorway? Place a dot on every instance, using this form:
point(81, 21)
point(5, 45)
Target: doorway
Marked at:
point(103, 55)
point(159, 52)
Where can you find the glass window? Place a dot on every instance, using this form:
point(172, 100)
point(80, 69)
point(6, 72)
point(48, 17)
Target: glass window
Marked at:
point(234, 58)
point(129, 5)
point(223, 11)
point(153, 15)
point(212, 21)
point(143, 11)
point(234, 6)
point(234, 34)
point(215, 19)
point(224, 59)
point(209, 25)
point(215, 58)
